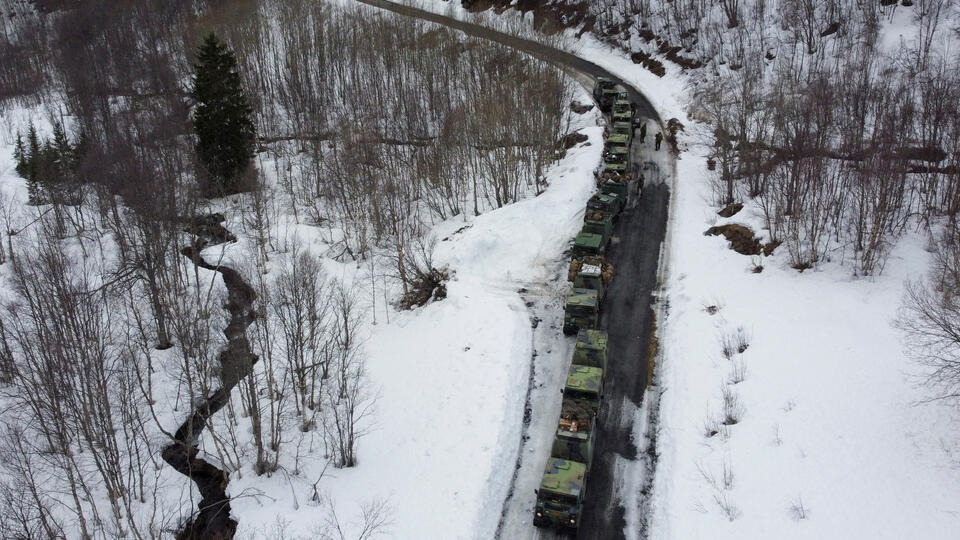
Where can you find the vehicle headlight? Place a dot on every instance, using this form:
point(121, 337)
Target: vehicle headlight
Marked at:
point(539, 514)
point(573, 522)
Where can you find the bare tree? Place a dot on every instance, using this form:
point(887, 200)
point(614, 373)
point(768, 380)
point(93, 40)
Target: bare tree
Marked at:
point(349, 400)
point(930, 320)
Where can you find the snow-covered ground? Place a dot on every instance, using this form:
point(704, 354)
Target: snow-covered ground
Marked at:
point(452, 377)
point(830, 442)
point(833, 440)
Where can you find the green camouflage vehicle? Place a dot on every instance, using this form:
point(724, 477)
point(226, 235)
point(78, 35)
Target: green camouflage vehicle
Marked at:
point(560, 497)
point(618, 138)
point(585, 383)
point(616, 171)
point(602, 226)
point(622, 128)
point(614, 154)
point(605, 202)
point(591, 277)
point(614, 186)
point(588, 243)
point(582, 310)
point(622, 111)
point(605, 92)
point(575, 434)
point(591, 348)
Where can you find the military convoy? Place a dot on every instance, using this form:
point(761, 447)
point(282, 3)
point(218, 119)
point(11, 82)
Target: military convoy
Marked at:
point(605, 92)
point(563, 486)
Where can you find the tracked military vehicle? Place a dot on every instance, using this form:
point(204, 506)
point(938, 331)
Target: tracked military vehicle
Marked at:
point(606, 269)
point(591, 277)
point(621, 129)
point(602, 225)
point(600, 217)
point(587, 243)
point(605, 92)
point(617, 139)
point(585, 383)
point(560, 497)
point(604, 202)
point(623, 111)
point(575, 435)
point(582, 310)
point(591, 348)
point(616, 154)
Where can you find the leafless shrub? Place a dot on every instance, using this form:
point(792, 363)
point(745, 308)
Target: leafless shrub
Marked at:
point(738, 372)
point(421, 280)
point(730, 510)
point(727, 469)
point(707, 475)
point(733, 409)
point(710, 426)
point(348, 398)
point(375, 521)
point(742, 340)
point(728, 344)
point(929, 319)
point(798, 510)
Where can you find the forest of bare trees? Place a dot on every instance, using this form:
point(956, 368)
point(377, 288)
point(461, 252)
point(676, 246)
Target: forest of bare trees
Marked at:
point(372, 128)
point(842, 130)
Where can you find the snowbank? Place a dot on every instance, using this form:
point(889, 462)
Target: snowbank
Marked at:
point(452, 378)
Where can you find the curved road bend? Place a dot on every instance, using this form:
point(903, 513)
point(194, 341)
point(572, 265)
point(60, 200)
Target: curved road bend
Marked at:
point(559, 58)
point(627, 315)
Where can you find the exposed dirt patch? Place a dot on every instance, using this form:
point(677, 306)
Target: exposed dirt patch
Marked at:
point(652, 64)
point(567, 142)
point(741, 238)
point(770, 246)
point(581, 108)
point(730, 210)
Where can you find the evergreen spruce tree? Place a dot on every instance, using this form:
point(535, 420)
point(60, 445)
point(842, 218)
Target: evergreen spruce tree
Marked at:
point(19, 155)
point(63, 164)
point(34, 155)
point(222, 118)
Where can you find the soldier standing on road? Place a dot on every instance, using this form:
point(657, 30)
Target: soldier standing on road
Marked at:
point(657, 139)
point(643, 132)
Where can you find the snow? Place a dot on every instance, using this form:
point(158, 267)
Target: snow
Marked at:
point(832, 420)
point(452, 376)
point(835, 439)
point(831, 417)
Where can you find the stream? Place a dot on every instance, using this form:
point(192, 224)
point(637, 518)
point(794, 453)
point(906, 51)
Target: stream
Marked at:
point(212, 516)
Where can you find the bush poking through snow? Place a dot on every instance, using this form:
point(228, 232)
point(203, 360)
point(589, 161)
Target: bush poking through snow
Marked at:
point(742, 340)
point(728, 344)
point(727, 474)
point(729, 509)
point(421, 281)
point(733, 409)
point(799, 510)
point(710, 426)
point(738, 373)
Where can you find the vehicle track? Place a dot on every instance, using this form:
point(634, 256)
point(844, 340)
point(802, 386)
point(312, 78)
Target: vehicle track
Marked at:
point(627, 315)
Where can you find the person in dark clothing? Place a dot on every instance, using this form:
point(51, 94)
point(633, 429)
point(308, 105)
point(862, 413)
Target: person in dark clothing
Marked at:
point(643, 132)
point(657, 140)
